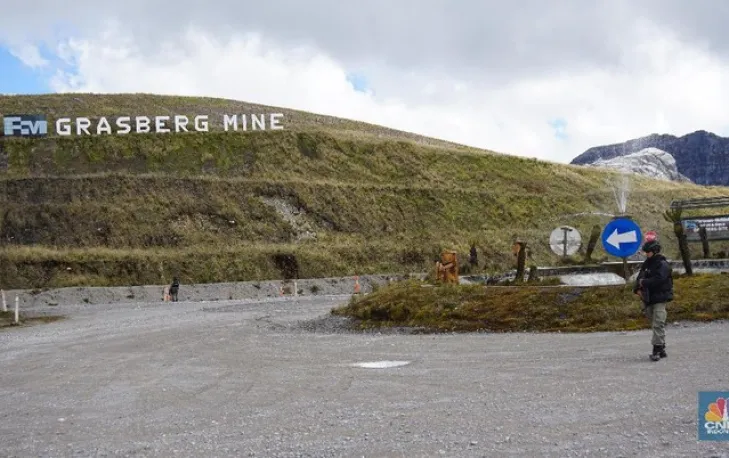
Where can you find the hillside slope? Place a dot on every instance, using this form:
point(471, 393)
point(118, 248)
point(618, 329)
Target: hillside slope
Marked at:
point(315, 199)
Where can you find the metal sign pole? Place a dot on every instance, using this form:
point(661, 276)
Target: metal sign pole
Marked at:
point(564, 241)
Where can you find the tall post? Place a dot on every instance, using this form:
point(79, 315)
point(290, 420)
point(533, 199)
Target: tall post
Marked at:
point(594, 237)
point(564, 241)
point(17, 314)
point(704, 242)
point(520, 261)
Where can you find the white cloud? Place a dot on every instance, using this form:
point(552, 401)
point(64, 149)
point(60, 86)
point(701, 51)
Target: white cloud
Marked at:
point(29, 55)
point(661, 86)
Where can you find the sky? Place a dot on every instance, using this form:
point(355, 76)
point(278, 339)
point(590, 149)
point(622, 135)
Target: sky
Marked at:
point(524, 77)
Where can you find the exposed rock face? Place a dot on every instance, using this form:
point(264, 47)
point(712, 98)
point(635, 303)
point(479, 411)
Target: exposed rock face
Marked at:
point(701, 156)
point(651, 162)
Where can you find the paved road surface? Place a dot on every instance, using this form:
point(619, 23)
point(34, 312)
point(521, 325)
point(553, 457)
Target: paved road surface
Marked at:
point(238, 379)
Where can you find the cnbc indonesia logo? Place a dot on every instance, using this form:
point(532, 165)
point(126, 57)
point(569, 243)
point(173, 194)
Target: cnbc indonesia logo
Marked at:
point(37, 125)
point(715, 424)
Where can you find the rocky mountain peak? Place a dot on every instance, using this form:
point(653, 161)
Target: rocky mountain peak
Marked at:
point(701, 156)
point(651, 162)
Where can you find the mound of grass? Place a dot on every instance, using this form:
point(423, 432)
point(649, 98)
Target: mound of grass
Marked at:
point(531, 308)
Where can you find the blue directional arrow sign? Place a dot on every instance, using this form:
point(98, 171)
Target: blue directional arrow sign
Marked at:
point(622, 237)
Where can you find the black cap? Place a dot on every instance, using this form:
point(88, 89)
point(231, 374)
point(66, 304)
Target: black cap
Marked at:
point(652, 247)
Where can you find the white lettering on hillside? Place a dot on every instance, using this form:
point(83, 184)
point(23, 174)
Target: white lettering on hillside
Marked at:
point(181, 123)
point(82, 125)
point(143, 124)
point(201, 123)
point(163, 124)
point(124, 124)
point(230, 120)
point(103, 127)
point(159, 124)
point(275, 121)
point(260, 122)
point(63, 126)
point(257, 122)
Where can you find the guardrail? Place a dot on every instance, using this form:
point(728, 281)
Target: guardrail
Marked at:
point(615, 267)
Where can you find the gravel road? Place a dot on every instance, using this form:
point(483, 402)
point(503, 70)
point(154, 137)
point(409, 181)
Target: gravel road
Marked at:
point(246, 378)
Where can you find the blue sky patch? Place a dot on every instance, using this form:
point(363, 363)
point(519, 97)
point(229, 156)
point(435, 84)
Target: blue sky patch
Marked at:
point(559, 126)
point(17, 78)
point(358, 82)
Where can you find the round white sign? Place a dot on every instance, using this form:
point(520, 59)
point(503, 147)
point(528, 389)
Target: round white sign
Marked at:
point(565, 241)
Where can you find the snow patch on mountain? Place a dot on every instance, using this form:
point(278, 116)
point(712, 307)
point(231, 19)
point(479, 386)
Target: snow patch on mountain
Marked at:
point(651, 162)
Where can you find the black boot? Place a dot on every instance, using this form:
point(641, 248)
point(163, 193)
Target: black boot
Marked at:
point(662, 351)
point(656, 355)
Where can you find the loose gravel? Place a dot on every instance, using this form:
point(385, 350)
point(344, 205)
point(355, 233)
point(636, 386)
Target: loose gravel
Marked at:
point(274, 377)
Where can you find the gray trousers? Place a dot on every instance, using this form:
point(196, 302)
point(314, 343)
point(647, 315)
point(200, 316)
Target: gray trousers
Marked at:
point(657, 314)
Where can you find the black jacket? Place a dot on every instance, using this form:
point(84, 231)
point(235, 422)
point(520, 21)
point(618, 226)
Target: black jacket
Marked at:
point(657, 280)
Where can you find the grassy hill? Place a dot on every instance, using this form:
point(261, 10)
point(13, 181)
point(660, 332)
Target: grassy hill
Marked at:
point(332, 196)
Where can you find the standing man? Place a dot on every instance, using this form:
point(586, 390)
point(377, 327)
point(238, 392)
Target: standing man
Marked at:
point(655, 287)
point(174, 289)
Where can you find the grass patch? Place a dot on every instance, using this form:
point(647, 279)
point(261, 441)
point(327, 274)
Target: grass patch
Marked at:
point(531, 308)
point(7, 319)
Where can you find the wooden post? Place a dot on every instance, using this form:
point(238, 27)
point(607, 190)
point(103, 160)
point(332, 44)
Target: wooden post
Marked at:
point(704, 242)
point(592, 243)
point(683, 248)
point(520, 260)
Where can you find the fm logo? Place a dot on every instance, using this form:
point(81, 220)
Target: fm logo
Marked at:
point(25, 125)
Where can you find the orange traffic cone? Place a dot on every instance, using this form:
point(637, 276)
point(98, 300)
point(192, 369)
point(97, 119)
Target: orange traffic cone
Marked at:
point(357, 288)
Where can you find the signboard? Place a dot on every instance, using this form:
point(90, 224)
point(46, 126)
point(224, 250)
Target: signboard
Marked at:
point(565, 241)
point(25, 125)
point(717, 227)
point(36, 125)
point(622, 237)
